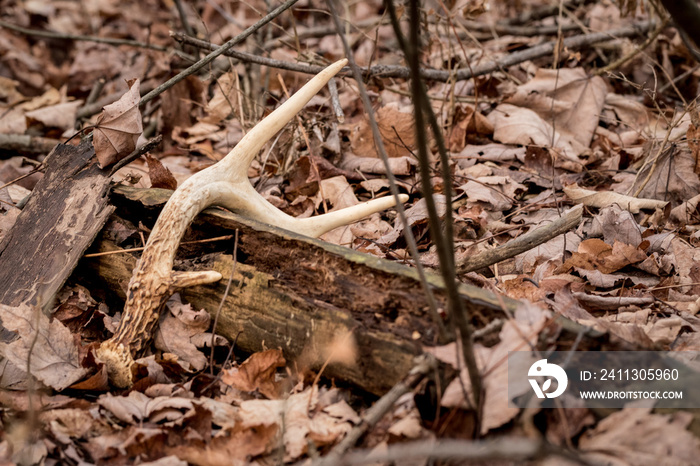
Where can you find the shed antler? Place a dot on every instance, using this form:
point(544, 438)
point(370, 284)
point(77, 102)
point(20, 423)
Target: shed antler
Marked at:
point(225, 184)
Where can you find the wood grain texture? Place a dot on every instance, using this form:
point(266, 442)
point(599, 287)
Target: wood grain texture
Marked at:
point(64, 214)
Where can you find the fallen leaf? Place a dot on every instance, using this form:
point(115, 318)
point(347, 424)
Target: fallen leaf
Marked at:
point(55, 359)
point(258, 372)
point(397, 128)
point(297, 418)
point(631, 436)
point(616, 224)
point(467, 123)
point(177, 327)
point(673, 177)
point(596, 254)
point(137, 408)
point(160, 176)
point(60, 116)
point(516, 335)
point(118, 127)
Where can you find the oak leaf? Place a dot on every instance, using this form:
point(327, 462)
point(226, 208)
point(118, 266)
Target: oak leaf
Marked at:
point(118, 127)
point(48, 347)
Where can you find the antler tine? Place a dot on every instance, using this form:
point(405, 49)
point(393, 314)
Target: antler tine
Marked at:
point(239, 159)
point(225, 184)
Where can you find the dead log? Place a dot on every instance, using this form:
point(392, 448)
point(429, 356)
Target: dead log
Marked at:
point(300, 294)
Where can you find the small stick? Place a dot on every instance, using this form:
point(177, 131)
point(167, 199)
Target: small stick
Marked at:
point(99, 40)
point(95, 91)
point(523, 243)
point(27, 144)
point(138, 152)
point(122, 251)
point(516, 450)
point(183, 17)
point(219, 51)
point(395, 71)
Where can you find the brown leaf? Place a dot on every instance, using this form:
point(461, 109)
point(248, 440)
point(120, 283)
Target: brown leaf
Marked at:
point(396, 126)
point(595, 254)
point(176, 329)
point(60, 116)
point(631, 436)
point(467, 123)
point(257, 373)
point(55, 359)
point(520, 331)
point(160, 176)
point(137, 407)
point(301, 421)
point(118, 127)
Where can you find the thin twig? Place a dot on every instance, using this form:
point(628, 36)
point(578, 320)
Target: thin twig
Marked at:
point(223, 300)
point(216, 53)
point(637, 50)
point(95, 91)
point(512, 449)
point(444, 241)
point(523, 243)
point(396, 71)
point(379, 145)
point(183, 17)
point(100, 40)
point(124, 251)
point(138, 152)
point(27, 144)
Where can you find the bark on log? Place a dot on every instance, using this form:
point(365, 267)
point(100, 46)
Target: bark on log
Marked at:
point(64, 214)
point(300, 294)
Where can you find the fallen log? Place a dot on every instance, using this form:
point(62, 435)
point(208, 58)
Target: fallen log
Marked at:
point(300, 294)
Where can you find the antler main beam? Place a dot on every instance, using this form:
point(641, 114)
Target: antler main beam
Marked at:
point(225, 184)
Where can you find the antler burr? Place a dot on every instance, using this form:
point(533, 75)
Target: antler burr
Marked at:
point(224, 184)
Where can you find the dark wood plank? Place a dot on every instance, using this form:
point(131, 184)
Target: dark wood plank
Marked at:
point(64, 214)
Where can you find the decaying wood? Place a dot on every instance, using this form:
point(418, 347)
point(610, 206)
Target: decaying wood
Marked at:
point(65, 212)
point(225, 184)
point(301, 294)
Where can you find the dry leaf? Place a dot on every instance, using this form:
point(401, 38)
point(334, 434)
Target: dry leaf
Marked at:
point(137, 407)
point(635, 436)
point(467, 123)
point(118, 127)
point(302, 422)
point(55, 359)
point(60, 116)
point(161, 176)
point(397, 127)
point(257, 373)
point(596, 254)
point(673, 177)
point(176, 330)
point(493, 364)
